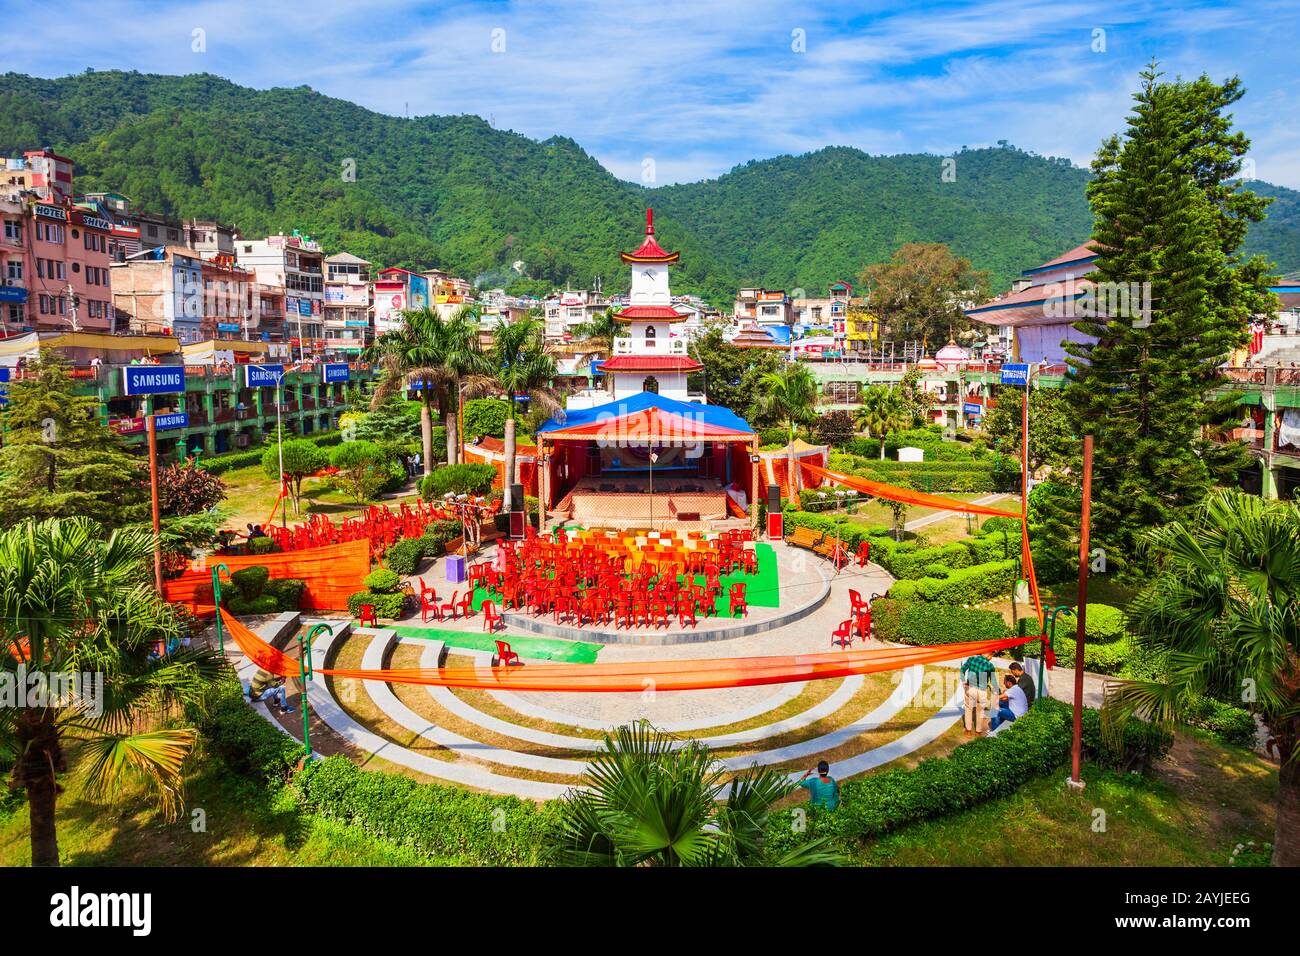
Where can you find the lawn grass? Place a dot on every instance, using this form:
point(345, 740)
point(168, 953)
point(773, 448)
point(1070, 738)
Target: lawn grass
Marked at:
point(533, 648)
point(250, 495)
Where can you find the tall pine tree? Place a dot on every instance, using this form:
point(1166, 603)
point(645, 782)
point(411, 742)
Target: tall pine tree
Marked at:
point(1170, 214)
point(60, 459)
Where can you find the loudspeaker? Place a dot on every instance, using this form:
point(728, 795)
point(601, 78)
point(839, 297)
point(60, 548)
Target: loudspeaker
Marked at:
point(593, 462)
point(516, 497)
point(773, 498)
point(775, 526)
point(518, 519)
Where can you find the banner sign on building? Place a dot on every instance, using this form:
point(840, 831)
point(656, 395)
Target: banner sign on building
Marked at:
point(971, 408)
point(1015, 375)
point(334, 372)
point(227, 327)
point(153, 379)
point(163, 423)
point(304, 306)
point(262, 376)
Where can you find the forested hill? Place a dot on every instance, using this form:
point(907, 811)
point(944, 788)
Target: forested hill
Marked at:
point(452, 192)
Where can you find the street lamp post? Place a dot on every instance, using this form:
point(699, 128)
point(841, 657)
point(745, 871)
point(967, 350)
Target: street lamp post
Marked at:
point(1051, 641)
point(305, 675)
point(279, 436)
point(216, 600)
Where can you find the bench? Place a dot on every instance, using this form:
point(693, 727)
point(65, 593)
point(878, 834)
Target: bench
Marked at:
point(818, 542)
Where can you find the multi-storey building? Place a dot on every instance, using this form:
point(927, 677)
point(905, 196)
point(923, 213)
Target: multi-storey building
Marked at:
point(295, 263)
point(397, 291)
point(566, 312)
point(347, 303)
point(65, 268)
point(764, 306)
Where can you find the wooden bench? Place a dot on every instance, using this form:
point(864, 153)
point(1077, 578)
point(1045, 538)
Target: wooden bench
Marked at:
point(818, 542)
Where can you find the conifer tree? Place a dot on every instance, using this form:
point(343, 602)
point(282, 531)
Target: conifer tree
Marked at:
point(1170, 220)
point(60, 459)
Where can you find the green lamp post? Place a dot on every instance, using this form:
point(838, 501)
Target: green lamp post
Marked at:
point(305, 674)
point(1051, 640)
point(216, 599)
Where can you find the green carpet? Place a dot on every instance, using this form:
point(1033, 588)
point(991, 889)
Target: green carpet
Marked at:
point(763, 588)
point(534, 648)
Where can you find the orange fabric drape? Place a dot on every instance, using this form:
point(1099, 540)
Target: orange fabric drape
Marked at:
point(332, 573)
point(634, 676)
point(895, 493)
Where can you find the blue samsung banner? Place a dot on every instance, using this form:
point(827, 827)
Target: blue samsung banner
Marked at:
point(175, 420)
point(227, 327)
point(5, 372)
point(262, 376)
point(334, 372)
point(1015, 375)
point(153, 379)
point(971, 408)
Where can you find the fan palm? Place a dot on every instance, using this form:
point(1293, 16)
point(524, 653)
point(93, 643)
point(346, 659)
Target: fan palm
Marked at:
point(655, 802)
point(77, 600)
point(883, 410)
point(432, 356)
point(788, 396)
point(1224, 606)
point(518, 365)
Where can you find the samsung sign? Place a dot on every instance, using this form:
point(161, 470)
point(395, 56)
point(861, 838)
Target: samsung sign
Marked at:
point(263, 376)
point(334, 372)
point(973, 408)
point(175, 420)
point(153, 379)
point(1015, 375)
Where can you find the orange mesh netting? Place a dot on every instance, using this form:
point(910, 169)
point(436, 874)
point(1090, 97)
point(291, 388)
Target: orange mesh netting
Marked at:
point(634, 676)
point(907, 495)
point(331, 573)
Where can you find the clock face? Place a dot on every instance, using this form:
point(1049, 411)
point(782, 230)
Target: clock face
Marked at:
point(648, 273)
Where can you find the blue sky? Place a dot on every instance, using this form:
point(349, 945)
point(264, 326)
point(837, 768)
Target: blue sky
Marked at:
point(700, 87)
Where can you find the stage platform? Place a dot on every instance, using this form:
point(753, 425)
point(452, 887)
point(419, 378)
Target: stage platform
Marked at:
point(623, 500)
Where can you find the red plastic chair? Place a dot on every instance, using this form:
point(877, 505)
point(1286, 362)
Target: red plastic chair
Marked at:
point(862, 623)
point(685, 609)
point(490, 616)
point(449, 607)
point(368, 614)
point(737, 596)
point(466, 604)
point(856, 603)
point(864, 553)
point(843, 635)
point(429, 605)
point(505, 656)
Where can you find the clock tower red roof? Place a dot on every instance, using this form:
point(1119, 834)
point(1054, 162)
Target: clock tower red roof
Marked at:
point(650, 250)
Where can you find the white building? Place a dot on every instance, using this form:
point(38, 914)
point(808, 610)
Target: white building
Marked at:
point(295, 263)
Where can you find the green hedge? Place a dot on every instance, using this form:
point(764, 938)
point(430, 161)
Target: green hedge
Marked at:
point(1230, 724)
point(472, 829)
point(244, 740)
point(1097, 658)
point(229, 461)
point(460, 479)
point(924, 624)
point(970, 585)
point(391, 606)
point(974, 773)
point(405, 555)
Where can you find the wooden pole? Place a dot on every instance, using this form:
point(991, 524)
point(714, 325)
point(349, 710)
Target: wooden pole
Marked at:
point(1076, 747)
point(151, 422)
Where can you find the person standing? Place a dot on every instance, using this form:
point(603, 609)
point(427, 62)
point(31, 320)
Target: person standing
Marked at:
point(977, 678)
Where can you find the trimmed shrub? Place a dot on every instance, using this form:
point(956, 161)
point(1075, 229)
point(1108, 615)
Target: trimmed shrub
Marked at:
point(970, 585)
point(923, 624)
point(473, 829)
point(887, 619)
point(263, 545)
point(485, 416)
point(1097, 658)
point(383, 581)
point(404, 556)
point(365, 469)
point(391, 606)
point(250, 582)
point(1232, 725)
point(287, 592)
point(936, 571)
point(863, 447)
point(245, 741)
point(981, 770)
point(998, 523)
point(437, 534)
point(470, 479)
point(1104, 624)
point(263, 604)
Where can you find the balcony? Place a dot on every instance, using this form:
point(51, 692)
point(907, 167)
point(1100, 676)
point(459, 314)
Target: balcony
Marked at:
point(665, 346)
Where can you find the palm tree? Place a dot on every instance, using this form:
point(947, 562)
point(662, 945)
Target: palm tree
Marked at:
point(789, 396)
point(76, 599)
point(883, 410)
point(518, 364)
point(432, 356)
point(1225, 607)
point(655, 803)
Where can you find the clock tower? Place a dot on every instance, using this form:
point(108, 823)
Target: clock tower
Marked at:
point(654, 357)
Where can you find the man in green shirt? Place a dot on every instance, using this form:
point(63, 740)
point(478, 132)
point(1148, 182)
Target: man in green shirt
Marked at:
point(824, 791)
point(977, 678)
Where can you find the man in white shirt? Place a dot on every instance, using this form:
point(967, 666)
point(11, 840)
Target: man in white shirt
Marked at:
point(1012, 703)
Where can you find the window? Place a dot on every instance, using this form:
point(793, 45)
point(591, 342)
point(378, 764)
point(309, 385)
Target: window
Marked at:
point(76, 267)
point(14, 230)
point(16, 313)
point(153, 230)
point(77, 235)
point(651, 385)
point(650, 333)
point(16, 270)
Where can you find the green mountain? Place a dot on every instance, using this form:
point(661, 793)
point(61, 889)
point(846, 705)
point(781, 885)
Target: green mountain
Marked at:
point(452, 192)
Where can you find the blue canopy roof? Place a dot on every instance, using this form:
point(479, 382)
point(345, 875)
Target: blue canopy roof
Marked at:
point(714, 416)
